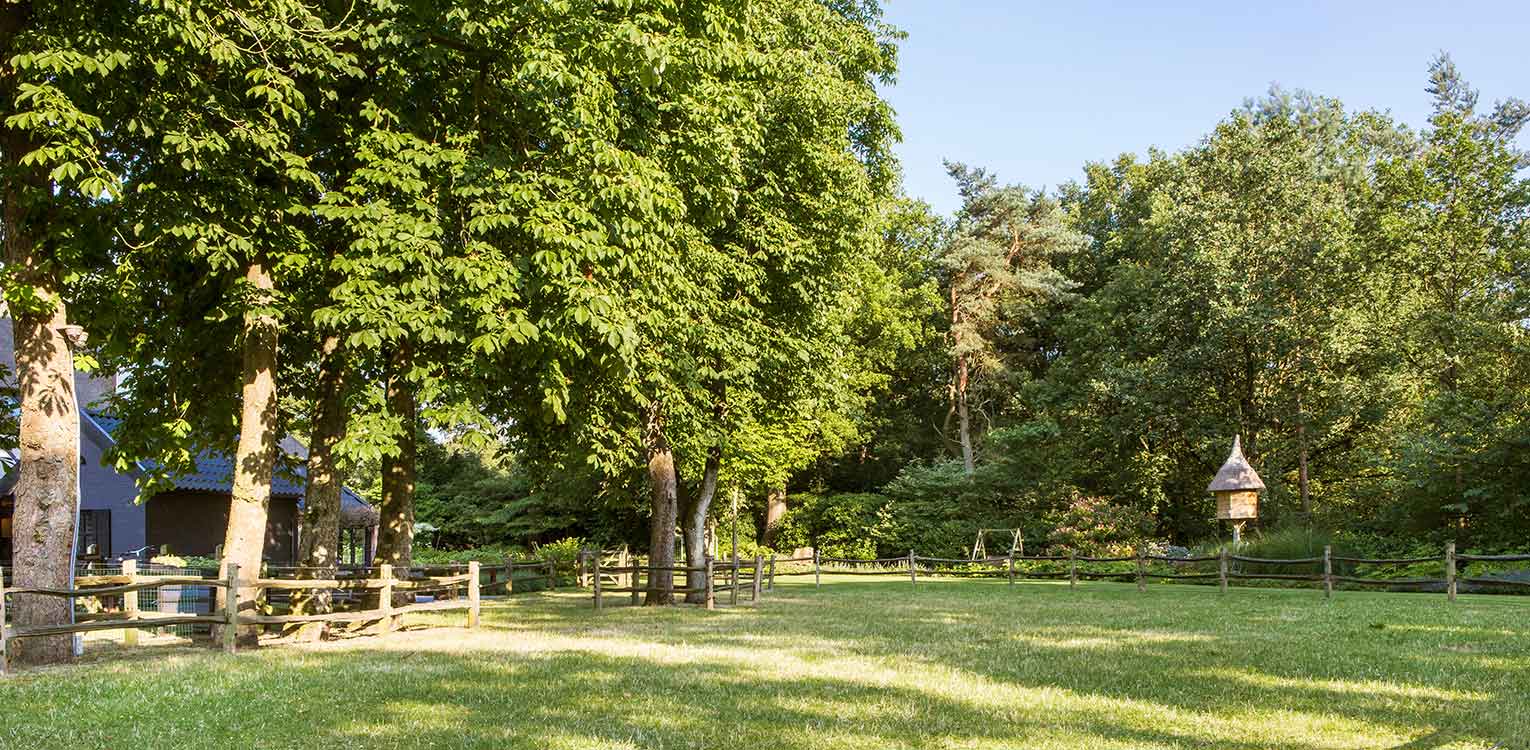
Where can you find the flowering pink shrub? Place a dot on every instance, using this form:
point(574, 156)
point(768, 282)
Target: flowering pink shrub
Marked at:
point(1096, 526)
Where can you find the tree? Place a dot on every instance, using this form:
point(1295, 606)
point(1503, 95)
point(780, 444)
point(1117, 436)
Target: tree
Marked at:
point(1455, 223)
point(60, 61)
point(999, 275)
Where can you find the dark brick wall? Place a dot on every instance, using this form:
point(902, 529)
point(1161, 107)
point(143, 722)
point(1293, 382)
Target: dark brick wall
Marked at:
point(193, 523)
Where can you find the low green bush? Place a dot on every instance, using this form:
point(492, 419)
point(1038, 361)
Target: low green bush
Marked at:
point(490, 555)
point(564, 551)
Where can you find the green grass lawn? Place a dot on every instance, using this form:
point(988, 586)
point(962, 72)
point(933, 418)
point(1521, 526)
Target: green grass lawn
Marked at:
point(859, 664)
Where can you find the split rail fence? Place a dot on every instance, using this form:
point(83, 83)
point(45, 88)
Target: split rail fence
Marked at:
point(1224, 568)
point(358, 595)
point(735, 578)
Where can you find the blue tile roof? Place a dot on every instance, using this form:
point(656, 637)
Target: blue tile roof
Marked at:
point(215, 473)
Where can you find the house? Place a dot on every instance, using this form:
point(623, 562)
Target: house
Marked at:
point(189, 519)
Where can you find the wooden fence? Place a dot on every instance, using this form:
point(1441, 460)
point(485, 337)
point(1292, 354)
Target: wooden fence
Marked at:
point(1225, 568)
point(242, 600)
point(708, 579)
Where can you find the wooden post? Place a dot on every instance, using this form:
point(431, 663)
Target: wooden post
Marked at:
point(597, 584)
point(913, 577)
point(711, 594)
point(1450, 571)
point(552, 575)
point(733, 593)
point(771, 585)
point(1141, 571)
point(1011, 568)
point(5, 658)
point(473, 568)
point(1327, 571)
point(635, 579)
point(759, 576)
point(1072, 571)
point(509, 575)
point(231, 608)
point(385, 596)
point(816, 583)
point(1222, 570)
point(130, 602)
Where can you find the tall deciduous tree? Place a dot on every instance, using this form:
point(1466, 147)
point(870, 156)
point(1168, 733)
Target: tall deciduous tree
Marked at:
point(59, 62)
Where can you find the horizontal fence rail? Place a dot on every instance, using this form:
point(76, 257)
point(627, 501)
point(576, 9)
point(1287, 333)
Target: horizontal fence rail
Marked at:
point(1224, 568)
point(375, 594)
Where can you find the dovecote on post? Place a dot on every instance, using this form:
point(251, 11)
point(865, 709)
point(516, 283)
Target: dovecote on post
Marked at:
point(1237, 488)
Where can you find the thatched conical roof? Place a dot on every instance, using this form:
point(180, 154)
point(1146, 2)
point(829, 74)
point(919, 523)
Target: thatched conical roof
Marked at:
point(1236, 474)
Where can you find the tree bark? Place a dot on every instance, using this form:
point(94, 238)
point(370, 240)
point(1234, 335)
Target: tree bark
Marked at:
point(775, 512)
point(47, 490)
point(255, 459)
point(1302, 475)
point(664, 497)
point(963, 416)
point(395, 543)
point(695, 523)
point(319, 538)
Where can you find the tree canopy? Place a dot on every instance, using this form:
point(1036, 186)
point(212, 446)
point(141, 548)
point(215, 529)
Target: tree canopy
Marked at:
point(574, 268)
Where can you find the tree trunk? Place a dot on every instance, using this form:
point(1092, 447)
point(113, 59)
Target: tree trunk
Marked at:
point(47, 490)
point(319, 538)
point(245, 540)
point(695, 523)
point(1302, 476)
point(775, 512)
point(395, 543)
point(964, 418)
point(664, 495)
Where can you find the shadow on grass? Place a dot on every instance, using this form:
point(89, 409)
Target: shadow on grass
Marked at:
point(1421, 668)
point(855, 665)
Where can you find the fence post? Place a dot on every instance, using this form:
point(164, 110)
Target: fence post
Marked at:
point(815, 569)
point(385, 596)
point(597, 584)
point(635, 578)
point(1011, 568)
point(1450, 571)
point(771, 586)
point(552, 575)
point(733, 589)
point(913, 577)
point(5, 663)
point(1327, 571)
point(1141, 571)
point(759, 571)
point(711, 593)
point(1222, 570)
point(130, 601)
point(1072, 570)
point(231, 608)
point(509, 575)
point(473, 594)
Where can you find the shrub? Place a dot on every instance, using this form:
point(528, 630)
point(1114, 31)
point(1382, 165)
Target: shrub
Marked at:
point(186, 561)
point(1096, 527)
point(489, 555)
point(843, 525)
point(564, 551)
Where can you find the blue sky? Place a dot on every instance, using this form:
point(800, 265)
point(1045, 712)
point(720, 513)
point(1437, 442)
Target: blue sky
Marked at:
point(1034, 90)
